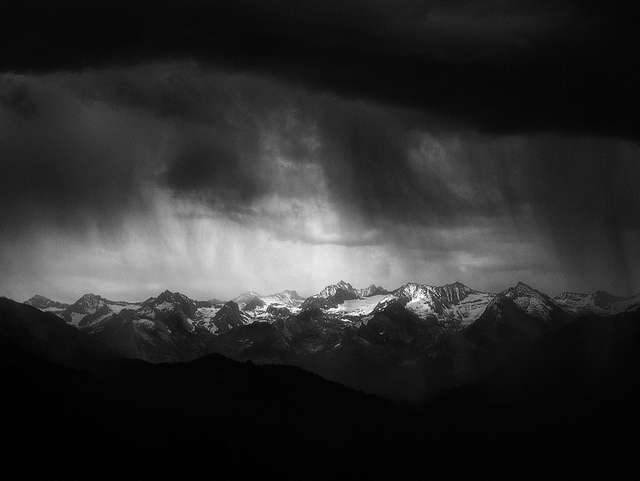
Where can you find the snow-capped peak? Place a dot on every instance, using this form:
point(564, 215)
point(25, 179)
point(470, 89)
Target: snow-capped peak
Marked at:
point(287, 297)
point(534, 302)
point(259, 306)
point(333, 289)
point(245, 297)
point(168, 300)
point(454, 292)
point(454, 305)
point(90, 303)
point(345, 291)
point(412, 290)
point(600, 303)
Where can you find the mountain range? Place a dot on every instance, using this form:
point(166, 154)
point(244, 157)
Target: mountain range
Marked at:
point(371, 339)
point(509, 384)
point(513, 384)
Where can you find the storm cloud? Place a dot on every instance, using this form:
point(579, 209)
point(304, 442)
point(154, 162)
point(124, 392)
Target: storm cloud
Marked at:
point(495, 66)
point(433, 141)
point(67, 163)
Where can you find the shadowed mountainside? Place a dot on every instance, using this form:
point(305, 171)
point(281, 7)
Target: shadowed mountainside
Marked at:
point(563, 404)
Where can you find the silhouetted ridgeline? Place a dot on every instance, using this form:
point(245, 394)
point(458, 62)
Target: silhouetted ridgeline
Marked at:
point(564, 403)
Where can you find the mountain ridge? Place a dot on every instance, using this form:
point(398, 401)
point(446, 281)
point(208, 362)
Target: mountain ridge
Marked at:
point(564, 295)
point(376, 342)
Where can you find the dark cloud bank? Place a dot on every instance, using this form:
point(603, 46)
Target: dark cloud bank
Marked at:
point(416, 116)
point(499, 66)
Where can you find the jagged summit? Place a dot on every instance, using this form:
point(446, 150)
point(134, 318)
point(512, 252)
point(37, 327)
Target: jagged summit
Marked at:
point(172, 301)
point(335, 294)
point(331, 296)
point(535, 303)
point(456, 290)
point(454, 305)
point(91, 295)
point(524, 290)
point(342, 288)
point(90, 301)
point(259, 305)
point(412, 289)
point(345, 287)
point(168, 295)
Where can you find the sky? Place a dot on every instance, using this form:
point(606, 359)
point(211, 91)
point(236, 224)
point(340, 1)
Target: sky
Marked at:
point(217, 147)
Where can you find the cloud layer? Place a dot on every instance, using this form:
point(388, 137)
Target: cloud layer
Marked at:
point(432, 141)
point(501, 67)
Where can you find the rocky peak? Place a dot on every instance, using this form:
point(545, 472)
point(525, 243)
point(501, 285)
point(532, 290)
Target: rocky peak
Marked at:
point(372, 290)
point(454, 292)
point(522, 290)
point(339, 292)
point(411, 290)
point(90, 301)
point(42, 302)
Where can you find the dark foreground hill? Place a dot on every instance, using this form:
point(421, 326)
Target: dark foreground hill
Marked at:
point(49, 337)
point(566, 404)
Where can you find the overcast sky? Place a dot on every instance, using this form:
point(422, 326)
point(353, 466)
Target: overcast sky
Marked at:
point(217, 147)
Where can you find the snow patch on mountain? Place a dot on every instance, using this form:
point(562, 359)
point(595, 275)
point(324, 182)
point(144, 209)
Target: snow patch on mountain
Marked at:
point(75, 318)
point(246, 298)
point(144, 323)
point(208, 312)
point(600, 303)
point(286, 298)
point(268, 308)
point(533, 302)
point(455, 306)
point(164, 306)
point(116, 307)
point(357, 307)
